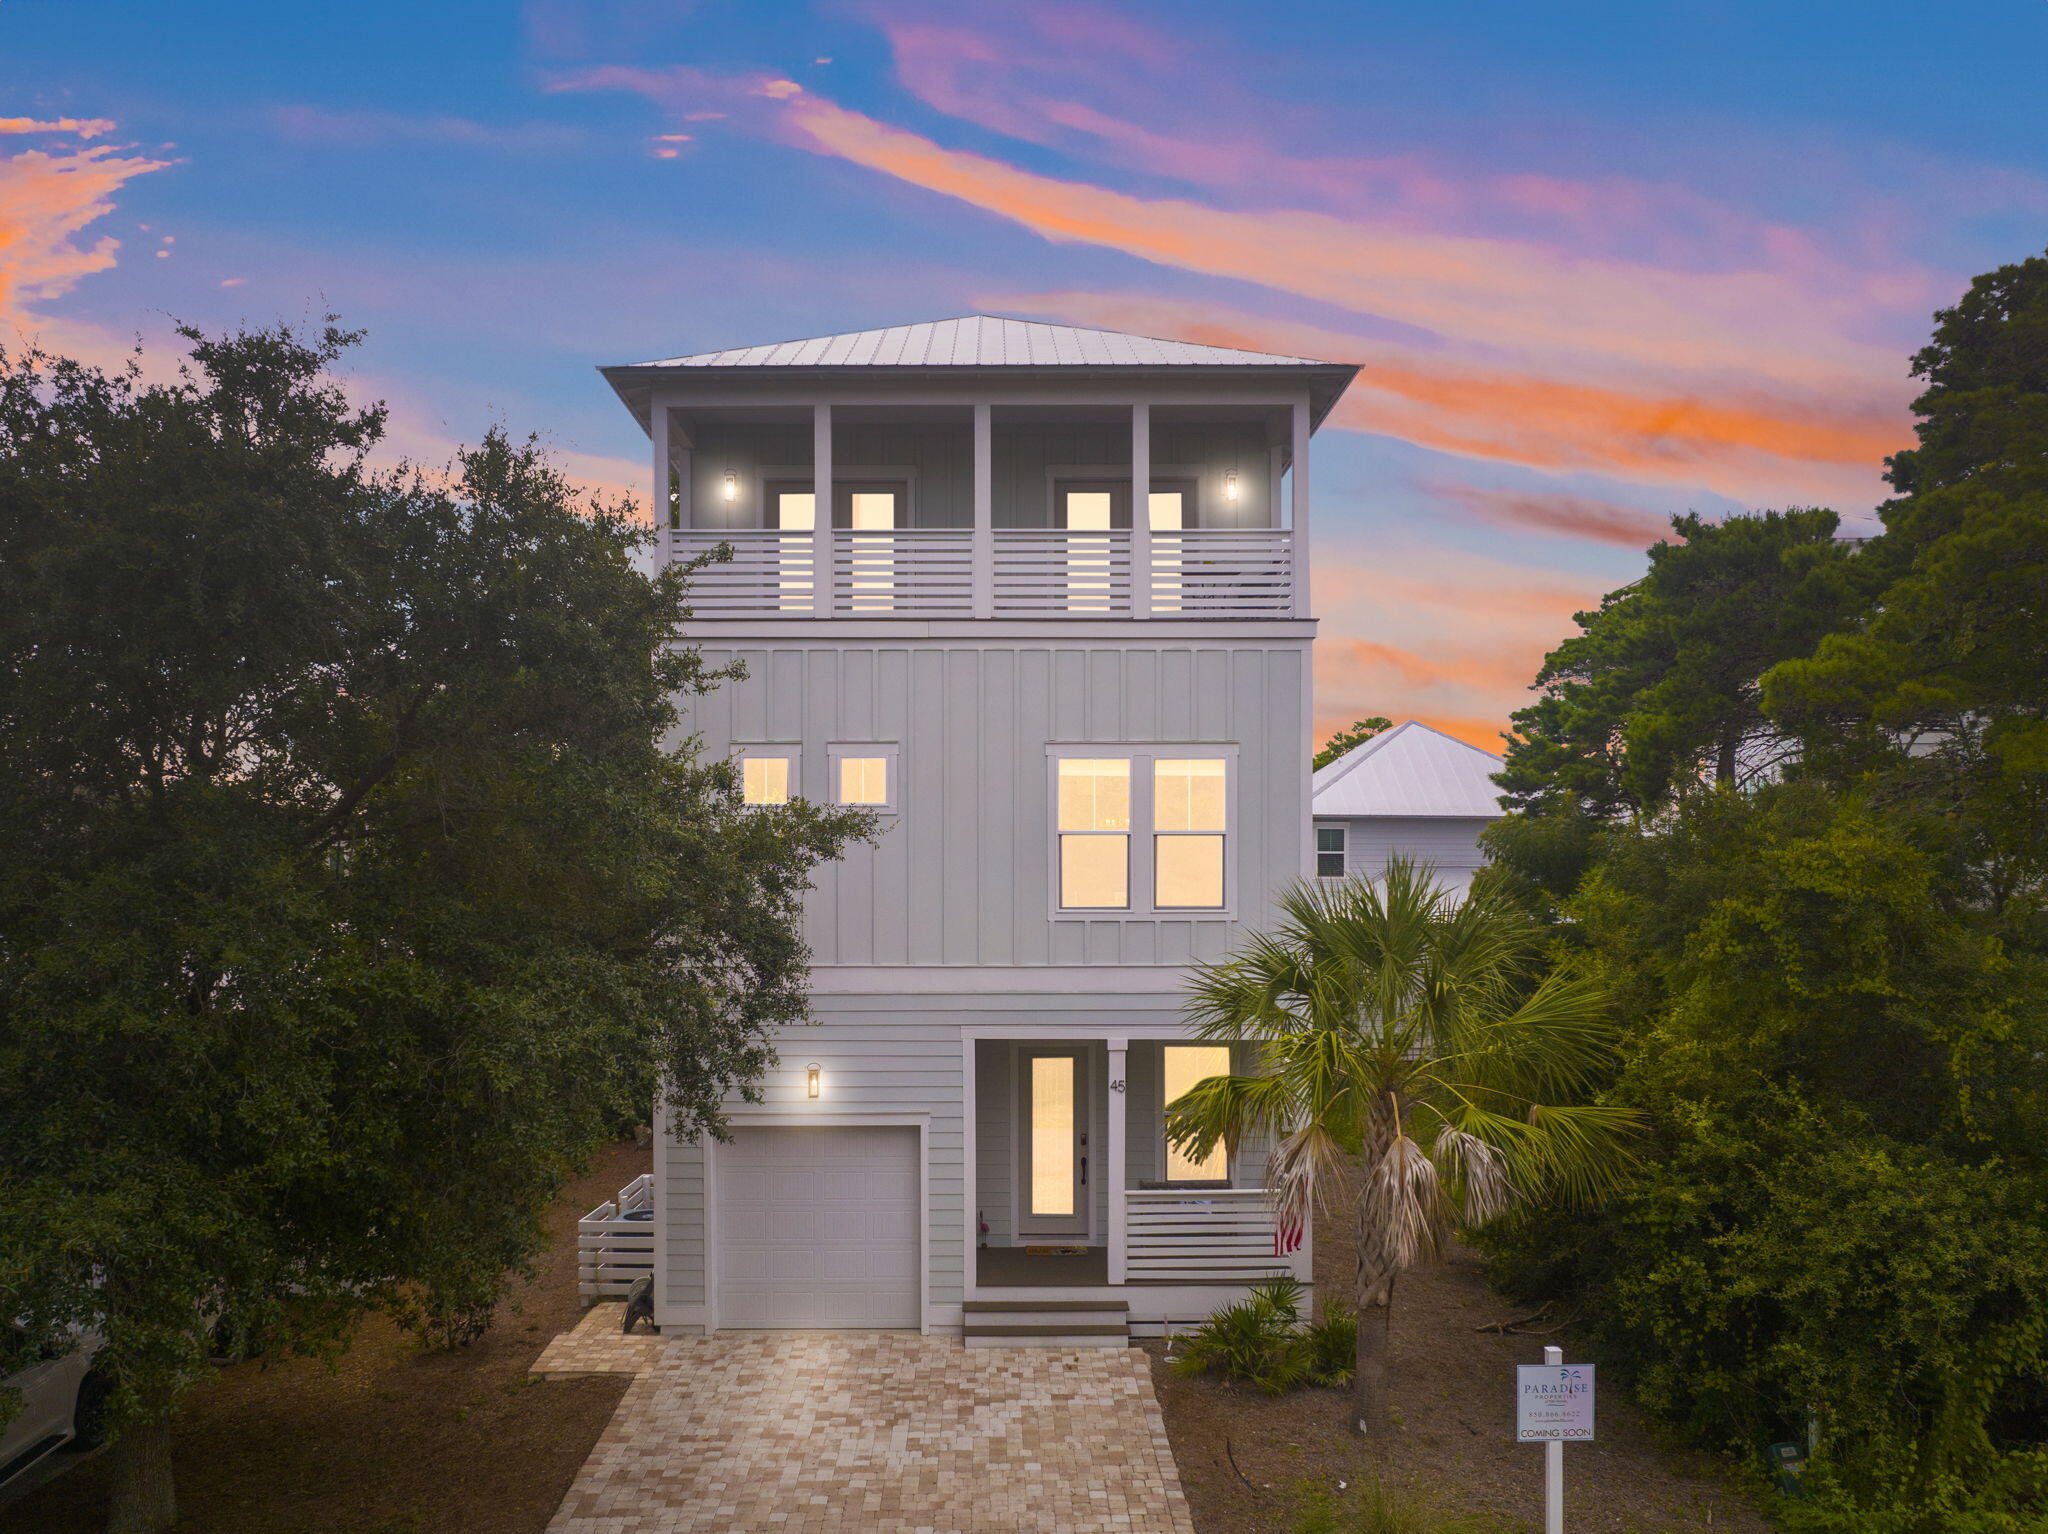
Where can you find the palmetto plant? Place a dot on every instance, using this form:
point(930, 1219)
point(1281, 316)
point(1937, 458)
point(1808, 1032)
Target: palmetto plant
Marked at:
point(1418, 1067)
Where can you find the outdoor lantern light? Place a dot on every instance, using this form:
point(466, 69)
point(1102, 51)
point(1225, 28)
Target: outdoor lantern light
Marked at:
point(732, 485)
point(811, 1079)
point(1230, 486)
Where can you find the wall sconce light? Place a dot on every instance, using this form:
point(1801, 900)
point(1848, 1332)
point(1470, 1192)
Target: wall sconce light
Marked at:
point(811, 1079)
point(1230, 486)
point(732, 485)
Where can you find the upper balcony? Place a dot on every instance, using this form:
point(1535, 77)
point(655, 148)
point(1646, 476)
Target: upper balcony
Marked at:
point(986, 469)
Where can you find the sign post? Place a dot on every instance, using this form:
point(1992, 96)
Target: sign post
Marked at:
point(1553, 1407)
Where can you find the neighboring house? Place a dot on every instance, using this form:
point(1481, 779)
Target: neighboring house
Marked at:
point(1083, 716)
point(1412, 790)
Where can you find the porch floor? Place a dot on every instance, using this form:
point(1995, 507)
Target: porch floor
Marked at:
point(1013, 1266)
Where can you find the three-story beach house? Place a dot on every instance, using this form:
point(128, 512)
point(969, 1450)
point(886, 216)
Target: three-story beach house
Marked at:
point(1039, 596)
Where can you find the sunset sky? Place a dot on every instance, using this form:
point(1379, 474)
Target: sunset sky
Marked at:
point(1601, 263)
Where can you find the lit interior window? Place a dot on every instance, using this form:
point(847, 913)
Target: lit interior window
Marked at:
point(764, 780)
point(796, 511)
point(863, 780)
point(874, 509)
point(1168, 513)
point(1187, 794)
point(1095, 794)
point(1185, 1065)
point(1053, 1160)
point(1095, 872)
point(1088, 511)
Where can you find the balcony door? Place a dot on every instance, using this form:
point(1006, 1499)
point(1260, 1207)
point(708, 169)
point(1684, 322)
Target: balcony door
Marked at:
point(1052, 1144)
point(874, 509)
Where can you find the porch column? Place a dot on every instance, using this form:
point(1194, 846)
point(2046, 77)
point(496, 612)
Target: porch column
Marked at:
point(1141, 511)
point(822, 500)
point(1119, 1161)
point(657, 431)
point(1298, 512)
point(983, 556)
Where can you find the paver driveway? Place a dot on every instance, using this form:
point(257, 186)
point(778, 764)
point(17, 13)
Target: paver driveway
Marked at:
point(868, 1431)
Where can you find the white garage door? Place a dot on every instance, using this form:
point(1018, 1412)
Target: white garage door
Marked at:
point(818, 1227)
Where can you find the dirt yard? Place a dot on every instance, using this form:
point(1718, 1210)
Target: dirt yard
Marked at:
point(394, 1441)
point(1453, 1450)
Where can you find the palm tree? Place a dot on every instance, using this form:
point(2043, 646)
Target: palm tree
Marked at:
point(1416, 1063)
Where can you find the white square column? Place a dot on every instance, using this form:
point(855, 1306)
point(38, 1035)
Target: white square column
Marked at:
point(822, 499)
point(982, 557)
point(1141, 511)
point(1118, 1157)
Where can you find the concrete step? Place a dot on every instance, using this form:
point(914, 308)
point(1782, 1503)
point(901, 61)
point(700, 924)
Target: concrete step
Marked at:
point(1046, 1324)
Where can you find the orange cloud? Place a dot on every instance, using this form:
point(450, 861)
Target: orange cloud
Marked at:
point(84, 127)
point(46, 200)
point(1762, 446)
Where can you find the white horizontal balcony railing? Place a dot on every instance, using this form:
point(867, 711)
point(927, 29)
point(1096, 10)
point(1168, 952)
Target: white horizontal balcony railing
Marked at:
point(1202, 1235)
point(930, 572)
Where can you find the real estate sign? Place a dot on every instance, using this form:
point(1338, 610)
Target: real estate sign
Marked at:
point(1554, 1401)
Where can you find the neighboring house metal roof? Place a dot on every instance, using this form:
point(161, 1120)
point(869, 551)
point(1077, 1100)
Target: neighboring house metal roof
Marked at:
point(1409, 771)
point(981, 341)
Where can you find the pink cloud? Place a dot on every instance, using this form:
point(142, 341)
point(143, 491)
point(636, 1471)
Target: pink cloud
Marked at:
point(1570, 516)
point(46, 201)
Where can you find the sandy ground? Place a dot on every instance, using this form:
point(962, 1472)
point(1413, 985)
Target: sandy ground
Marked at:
point(393, 1441)
point(1453, 1448)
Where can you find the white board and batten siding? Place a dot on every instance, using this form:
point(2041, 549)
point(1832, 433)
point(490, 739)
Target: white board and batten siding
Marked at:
point(961, 873)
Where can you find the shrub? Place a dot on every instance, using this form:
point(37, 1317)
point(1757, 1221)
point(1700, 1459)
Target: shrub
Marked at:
point(1260, 1339)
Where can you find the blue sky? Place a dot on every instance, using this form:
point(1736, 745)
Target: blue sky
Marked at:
point(1601, 262)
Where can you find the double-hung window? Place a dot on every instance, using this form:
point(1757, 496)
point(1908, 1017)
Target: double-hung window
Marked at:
point(1142, 831)
point(1329, 852)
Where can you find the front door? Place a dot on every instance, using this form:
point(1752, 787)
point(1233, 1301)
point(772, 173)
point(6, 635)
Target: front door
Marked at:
point(1052, 1113)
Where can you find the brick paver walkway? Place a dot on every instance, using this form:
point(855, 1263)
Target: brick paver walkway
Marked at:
point(865, 1432)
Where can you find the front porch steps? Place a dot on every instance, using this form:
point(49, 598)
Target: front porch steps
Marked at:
point(1047, 1324)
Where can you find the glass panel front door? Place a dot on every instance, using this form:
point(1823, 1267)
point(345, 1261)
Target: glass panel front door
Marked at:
point(1053, 1114)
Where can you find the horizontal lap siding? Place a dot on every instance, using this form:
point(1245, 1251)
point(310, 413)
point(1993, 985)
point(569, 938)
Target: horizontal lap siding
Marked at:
point(1449, 845)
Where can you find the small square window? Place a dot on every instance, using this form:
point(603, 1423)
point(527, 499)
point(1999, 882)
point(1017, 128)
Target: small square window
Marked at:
point(864, 775)
point(1329, 852)
point(863, 780)
point(764, 777)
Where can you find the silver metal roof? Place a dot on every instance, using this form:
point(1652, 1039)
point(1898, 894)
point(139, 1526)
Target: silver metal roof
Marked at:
point(982, 341)
point(1410, 771)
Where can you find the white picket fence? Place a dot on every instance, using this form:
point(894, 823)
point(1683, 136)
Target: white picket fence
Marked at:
point(615, 1242)
point(1205, 1235)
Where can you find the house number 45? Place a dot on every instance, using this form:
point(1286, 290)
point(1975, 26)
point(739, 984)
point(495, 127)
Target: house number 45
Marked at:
point(1117, 1085)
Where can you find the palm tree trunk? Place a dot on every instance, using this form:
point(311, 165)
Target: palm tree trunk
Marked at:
point(1373, 1413)
point(143, 1501)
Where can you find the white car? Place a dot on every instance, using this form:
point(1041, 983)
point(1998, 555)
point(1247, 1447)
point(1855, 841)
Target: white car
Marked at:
point(63, 1400)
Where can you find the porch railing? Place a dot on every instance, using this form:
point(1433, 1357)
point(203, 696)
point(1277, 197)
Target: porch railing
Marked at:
point(1202, 1235)
point(615, 1242)
point(1038, 572)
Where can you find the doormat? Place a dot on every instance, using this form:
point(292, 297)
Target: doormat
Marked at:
point(1055, 1251)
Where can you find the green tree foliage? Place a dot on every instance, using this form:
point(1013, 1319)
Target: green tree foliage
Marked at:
point(1418, 1076)
point(1361, 731)
point(1844, 1224)
point(1661, 690)
point(1940, 694)
point(1836, 992)
point(356, 880)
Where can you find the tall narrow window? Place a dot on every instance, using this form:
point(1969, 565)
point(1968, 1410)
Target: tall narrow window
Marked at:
point(871, 512)
point(1095, 832)
point(1168, 514)
point(1188, 814)
point(1088, 558)
point(1184, 1066)
point(1053, 1156)
point(1329, 852)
